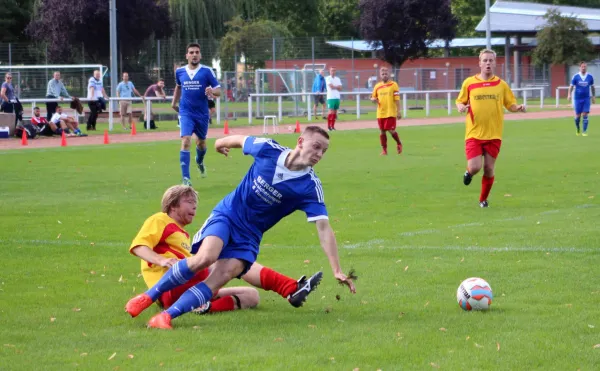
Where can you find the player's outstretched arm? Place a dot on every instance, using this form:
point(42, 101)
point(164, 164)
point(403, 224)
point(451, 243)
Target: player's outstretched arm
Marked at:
point(329, 245)
point(223, 145)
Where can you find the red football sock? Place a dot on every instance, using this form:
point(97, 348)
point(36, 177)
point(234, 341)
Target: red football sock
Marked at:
point(329, 121)
point(223, 305)
point(274, 281)
point(333, 117)
point(383, 140)
point(486, 187)
point(396, 137)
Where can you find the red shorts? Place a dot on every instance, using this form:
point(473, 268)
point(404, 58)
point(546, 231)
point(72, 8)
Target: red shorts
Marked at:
point(168, 298)
point(477, 147)
point(388, 123)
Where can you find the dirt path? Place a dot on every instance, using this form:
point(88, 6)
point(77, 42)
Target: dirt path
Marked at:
point(257, 130)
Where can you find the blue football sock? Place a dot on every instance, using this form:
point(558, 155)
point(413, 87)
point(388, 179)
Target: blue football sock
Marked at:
point(193, 298)
point(77, 131)
point(184, 160)
point(577, 119)
point(200, 155)
point(585, 123)
point(177, 275)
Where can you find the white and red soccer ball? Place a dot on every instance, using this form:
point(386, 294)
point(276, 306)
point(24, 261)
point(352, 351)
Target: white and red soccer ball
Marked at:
point(474, 294)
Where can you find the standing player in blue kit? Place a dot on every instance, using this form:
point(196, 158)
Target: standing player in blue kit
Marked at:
point(196, 83)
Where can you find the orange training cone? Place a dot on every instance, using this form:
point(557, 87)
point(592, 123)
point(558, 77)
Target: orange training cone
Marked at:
point(63, 140)
point(133, 131)
point(24, 138)
point(106, 141)
point(226, 130)
point(297, 127)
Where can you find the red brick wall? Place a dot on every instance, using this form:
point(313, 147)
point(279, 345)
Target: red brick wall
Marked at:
point(364, 68)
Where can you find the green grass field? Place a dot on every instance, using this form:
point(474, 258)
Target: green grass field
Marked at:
point(406, 223)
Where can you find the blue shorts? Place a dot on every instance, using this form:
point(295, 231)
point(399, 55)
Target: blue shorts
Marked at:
point(193, 125)
point(237, 244)
point(582, 105)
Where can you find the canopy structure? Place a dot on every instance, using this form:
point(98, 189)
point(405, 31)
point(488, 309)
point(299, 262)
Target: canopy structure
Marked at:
point(516, 20)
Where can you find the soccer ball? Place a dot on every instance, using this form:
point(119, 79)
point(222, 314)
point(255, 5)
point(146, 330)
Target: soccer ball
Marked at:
point(474, 294)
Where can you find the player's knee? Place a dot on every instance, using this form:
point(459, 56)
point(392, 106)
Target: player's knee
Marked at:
point(200, 261)
point(488, 170)
point(185, 143)
point(249, 298)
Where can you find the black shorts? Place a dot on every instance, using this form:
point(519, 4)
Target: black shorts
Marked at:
point(45, 130)
point(211, 104)
point(319, 99)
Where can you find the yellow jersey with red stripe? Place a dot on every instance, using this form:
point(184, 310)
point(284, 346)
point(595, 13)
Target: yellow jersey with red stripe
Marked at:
point(487, 100)
point(162, 234)
point(388, 96)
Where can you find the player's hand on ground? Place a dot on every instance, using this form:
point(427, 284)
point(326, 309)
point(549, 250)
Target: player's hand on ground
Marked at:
point(344, 280)
point(223, 150)
point(168, 263)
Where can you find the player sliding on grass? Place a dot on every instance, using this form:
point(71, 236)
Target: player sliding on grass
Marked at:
point(162, 242)
point(279, 182)
point(484, 97)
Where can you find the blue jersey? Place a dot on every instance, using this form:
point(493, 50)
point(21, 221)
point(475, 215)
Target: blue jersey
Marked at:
point(193, 84)
point(269, 191)
point(582, 84)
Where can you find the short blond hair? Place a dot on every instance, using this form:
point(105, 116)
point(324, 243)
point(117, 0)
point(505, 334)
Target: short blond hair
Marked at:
point(174, 194)
point(487, 51)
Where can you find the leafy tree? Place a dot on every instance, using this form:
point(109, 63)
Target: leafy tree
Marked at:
point(65, 23)
point(201, 19)
point(468, 14)
point(405, 28)
point(338, 18)
point(301, 17)
point(562, 40)
point(14, 18)
point(253, 39)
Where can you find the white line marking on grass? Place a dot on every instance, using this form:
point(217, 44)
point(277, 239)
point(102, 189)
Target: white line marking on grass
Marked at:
point(477, 224)
point(372, 243)
point(549, 212)
point(62, 242)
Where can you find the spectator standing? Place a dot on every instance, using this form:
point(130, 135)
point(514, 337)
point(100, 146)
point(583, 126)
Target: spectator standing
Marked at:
point(55, 90)
point(126, 89)
point(97, 97)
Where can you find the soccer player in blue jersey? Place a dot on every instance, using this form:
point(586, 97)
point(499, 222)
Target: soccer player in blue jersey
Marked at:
point(280, 181)
point(196, 83)
point(583, 84)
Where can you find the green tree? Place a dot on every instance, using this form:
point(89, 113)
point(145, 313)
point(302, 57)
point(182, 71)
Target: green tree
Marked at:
point(562, 40)
point(253, 39)
point(14, 18)
point(337, 19)
point(468, 14)
point(200, 19)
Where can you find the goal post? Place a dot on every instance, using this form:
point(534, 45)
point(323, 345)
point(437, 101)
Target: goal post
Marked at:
point(33, 80)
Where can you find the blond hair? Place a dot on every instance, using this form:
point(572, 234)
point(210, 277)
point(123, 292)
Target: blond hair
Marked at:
point(174, 194)
point(487, 51)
